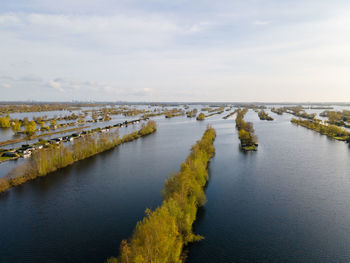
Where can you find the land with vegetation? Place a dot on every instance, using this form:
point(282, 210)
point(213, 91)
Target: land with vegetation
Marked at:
point(32, 136)
point(163, 233)
point(47, 160)
point(174, 113)
point(221, 111)
point(201, 117)
point(264, 116)
point(246, 132)
point(230, 114)
point(17, 108)
point(278, 111)
point(330, 130)
point(192, 113)
point(339, 118)
point(297, 111)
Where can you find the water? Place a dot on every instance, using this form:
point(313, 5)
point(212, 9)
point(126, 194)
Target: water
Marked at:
point(81, 213)
point(287, 202)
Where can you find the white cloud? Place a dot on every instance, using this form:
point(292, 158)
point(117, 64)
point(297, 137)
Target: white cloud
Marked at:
point(261, 23)
point(217, 54)
point(5, 86)
point(9, 20)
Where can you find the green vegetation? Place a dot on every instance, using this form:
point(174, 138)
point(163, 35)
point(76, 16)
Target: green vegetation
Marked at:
point(3, 143)
point(15, 126)
point(200, 116)
point(214, 113)
point(50, 159)
point(152, 114)
point(330, 130)
point(192, 113)
point(5, 122)
point(214, 109)
point(30, 128)
point(297, 111)
point(229, 115)
point(264, 116)
point(133, 112)
point(245, 132)
point(39, 107)
point(174, 113)
point(339, 118)
point(278, 111)
point(162, 234)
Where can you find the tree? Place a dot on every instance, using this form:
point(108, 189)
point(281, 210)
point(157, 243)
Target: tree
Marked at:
point(53, 123)
point(30, 128)
point(16, 126)
point(5, 122)
point(201, 117)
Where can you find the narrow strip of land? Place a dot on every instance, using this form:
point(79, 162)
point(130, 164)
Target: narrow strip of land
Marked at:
point(162, 234)
point(8, 142)
point(245, 132)
point(47, 160)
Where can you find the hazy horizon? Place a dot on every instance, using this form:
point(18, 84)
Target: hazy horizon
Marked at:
point(186, 51)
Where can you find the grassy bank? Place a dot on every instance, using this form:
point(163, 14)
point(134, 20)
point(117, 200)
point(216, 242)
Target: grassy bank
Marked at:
point(162, 234)
point(48, 160)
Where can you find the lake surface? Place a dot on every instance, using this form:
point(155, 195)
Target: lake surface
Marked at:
point(287, 202)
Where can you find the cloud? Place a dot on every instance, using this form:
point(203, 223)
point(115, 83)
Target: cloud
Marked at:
point(123, 31)
point(261, 23)
point(30, 79)
point(5, 86)
point(170, 50)
point(7, 78)
point(9, 20)
point(68, 86)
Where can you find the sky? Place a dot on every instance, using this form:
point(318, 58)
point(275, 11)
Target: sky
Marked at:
point(162, 50)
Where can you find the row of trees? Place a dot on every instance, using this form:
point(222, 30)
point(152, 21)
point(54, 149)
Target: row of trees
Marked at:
point(264, 116)
point(278, 111)
point(329, 130)
point(229, 115)
point(16, 125)
point(162, 234)
point(246, 131)
point(297, 111)
point(174, 113)
point(5, 122)
point(50, 159)
point(339, 118)
point(12, 108)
